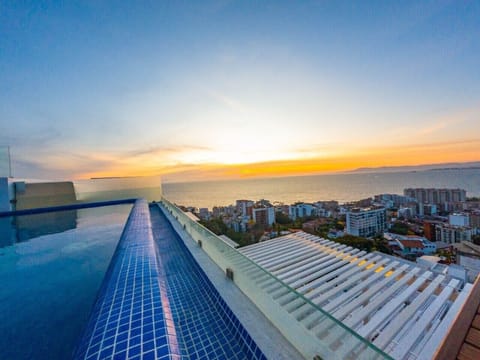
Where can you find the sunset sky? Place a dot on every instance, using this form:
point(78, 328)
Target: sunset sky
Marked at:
point(228, 89)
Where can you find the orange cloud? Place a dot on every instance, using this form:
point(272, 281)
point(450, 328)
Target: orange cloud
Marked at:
point(349, 159)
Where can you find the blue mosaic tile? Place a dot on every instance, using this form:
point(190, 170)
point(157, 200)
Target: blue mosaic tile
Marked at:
point(129, 304)
point(157, 303)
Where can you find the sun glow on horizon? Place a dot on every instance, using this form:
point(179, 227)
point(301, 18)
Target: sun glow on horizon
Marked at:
point(149, 164)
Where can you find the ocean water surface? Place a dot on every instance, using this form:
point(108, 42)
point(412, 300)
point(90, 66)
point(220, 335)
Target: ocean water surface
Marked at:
point(340, 187)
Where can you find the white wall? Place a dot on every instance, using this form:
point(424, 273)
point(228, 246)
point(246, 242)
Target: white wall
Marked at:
point(458, 220)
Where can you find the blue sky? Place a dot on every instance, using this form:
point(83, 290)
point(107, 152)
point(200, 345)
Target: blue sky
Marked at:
point(101, 88)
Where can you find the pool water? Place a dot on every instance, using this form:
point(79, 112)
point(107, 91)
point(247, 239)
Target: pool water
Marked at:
point(51, 267)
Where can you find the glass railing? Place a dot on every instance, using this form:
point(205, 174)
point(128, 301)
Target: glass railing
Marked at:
point(330, 339)
point(30, 194)
point(104, 189)
point(5, 165)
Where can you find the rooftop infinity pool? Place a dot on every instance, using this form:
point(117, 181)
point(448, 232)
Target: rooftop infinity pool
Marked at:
point(113, 282)
point(51, 267)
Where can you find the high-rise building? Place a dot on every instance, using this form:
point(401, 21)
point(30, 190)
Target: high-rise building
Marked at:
point(429, 229)
point(393, 200)
point(453, 234)
point(366, 222)
point(474, 219)
point(245, 207)
point(264, 215)
point(442, 197)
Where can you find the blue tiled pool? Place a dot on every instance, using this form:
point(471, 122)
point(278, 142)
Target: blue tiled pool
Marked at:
point(157, 303)
point(131, 318)
point(51, 267)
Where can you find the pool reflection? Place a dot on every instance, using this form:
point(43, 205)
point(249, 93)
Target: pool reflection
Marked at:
point(23, 228)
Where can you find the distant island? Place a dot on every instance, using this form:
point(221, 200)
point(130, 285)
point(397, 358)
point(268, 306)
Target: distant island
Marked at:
point(426, 167)
point(112, 177)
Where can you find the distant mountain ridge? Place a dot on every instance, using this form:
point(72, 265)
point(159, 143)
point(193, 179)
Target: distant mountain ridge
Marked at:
point(426, 167)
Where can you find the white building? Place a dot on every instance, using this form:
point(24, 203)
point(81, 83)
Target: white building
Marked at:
point(204, 213)
point(323, 212)
point(436, 196)
point(468, 256)
point(366, 222)
point(459, 220)
point(427, 209)
point(393, 200)
point(407, 212)
point(411, 244)
point(244, 207)
point(452, 234)
point(300, 210)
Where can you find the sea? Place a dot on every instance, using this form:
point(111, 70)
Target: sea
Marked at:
point(340, 187)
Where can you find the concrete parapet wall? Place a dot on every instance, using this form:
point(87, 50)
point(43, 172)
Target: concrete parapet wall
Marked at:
point(36, 195)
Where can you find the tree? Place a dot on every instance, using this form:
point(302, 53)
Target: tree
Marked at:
point(217, 226)
point(380, 244)
point(399, 228)
point(476, 239)
point(282, 219)
point(357, 242)
point(339, 225)
point(257, 231)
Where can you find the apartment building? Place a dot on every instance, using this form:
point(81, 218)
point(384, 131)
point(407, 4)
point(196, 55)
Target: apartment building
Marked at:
point(366, 222)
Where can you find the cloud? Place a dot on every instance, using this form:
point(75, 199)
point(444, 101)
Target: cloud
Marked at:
point(454, 125)
point(367, 156)
point(148, 162)
point(158, 150)
point(441, 124)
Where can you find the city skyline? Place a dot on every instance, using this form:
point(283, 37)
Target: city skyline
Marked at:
point(226, 89)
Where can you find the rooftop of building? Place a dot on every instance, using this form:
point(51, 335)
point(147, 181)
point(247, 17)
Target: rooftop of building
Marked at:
point(467, 247)
point(326, 298)
point(412, 243)
point(366, 209)
point(401, 308)
point(389, 235)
